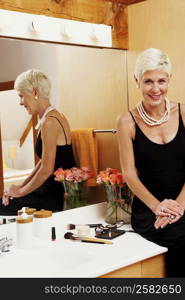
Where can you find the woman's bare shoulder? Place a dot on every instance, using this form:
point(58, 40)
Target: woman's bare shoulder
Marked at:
point(54, 118)
point(126, 124)
point(175, 107)
point(124, 119)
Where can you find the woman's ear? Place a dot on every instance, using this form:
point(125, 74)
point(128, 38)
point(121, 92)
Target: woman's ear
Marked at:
point(137, 82)
point(36, 93)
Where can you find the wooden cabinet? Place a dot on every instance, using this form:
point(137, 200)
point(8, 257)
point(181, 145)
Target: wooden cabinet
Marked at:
point(153, 267)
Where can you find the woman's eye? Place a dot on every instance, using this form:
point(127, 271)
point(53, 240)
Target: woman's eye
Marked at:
point(148, 81)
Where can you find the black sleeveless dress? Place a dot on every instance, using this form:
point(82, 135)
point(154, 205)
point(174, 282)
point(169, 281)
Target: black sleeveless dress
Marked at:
point(161, 169)
point(50, 194)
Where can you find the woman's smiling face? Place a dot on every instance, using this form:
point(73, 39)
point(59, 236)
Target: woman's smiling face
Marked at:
point(154, 86)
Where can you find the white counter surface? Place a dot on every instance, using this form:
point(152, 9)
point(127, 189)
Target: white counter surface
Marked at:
point(66, 258)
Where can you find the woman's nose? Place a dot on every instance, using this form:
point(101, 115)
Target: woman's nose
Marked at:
point(155, 87)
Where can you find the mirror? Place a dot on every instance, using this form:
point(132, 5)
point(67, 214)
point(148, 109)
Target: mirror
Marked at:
point(89, 85)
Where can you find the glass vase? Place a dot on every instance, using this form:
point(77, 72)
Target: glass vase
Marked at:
point(118, 204)
point(74, 195)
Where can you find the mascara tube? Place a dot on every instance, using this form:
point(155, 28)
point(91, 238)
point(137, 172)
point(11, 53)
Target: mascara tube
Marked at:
point(53, 234)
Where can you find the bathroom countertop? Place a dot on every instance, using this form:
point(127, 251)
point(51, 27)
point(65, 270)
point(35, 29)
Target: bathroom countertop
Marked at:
point(66, 258)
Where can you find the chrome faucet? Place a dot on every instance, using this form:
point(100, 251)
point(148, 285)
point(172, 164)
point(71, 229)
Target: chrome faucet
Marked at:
point(5, 244)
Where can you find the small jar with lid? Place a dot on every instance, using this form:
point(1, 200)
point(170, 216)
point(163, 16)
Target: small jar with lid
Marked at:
point(42, 223)
point(24, 231)
point(27, 210)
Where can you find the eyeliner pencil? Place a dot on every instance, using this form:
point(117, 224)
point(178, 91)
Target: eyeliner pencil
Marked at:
point(91, 242)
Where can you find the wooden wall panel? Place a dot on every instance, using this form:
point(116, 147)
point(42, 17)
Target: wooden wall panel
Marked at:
point(94, 93)
point(158, 24)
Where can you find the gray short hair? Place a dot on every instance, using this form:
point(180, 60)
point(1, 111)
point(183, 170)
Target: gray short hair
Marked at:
point(32, 79)
point(152, 59)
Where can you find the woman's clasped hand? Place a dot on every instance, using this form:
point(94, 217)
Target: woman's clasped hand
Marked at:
point(167, 212)
point(10, 193)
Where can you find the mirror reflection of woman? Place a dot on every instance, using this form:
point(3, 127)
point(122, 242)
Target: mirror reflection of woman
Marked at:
point(53, 147)
point(152, 141)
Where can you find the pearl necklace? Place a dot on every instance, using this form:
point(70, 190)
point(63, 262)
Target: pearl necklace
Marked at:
point(148, 119)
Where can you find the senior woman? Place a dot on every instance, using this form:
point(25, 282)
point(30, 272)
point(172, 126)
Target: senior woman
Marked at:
point(151, 141)
point(53, 147)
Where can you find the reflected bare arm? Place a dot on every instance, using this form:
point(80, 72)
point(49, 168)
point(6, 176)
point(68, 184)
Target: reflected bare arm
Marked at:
point(49, 134)
point(36, 168)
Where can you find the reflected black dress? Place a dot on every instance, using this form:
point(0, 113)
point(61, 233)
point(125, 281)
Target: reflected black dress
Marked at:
point(161, 169)
point(50, 194)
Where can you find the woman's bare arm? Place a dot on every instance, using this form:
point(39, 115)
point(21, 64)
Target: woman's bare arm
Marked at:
point(32, 174)
point(49, 134)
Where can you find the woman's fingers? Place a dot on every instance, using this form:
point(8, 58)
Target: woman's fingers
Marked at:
point(174, 219)
point(168, 211)
point(5, 200)
point(168, 207)
point(176, 206)
point(161, 222)
point(164, 211)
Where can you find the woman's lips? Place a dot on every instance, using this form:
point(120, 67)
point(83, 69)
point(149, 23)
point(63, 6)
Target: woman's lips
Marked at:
point(155, 97)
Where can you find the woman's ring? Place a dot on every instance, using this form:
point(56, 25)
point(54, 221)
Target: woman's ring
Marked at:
point(163, 209)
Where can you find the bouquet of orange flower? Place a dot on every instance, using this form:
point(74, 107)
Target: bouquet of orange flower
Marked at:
point(73, 181)
point(119, 196)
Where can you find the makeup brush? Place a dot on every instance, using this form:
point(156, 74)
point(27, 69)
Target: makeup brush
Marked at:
point(71, 236)
point(73, 226)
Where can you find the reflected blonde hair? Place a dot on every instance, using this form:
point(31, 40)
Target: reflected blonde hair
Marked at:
point(33, 79)
point(152, 59)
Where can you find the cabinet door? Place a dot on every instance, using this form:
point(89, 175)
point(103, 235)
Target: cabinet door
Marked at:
point(153, 267)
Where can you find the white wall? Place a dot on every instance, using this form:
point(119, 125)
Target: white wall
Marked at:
point(14, 119)
point(24, 158)
point(19, 56)
point(10, 59)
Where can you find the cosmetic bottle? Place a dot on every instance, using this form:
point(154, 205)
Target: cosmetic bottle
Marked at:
point(24, 231)
point(42, 223)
